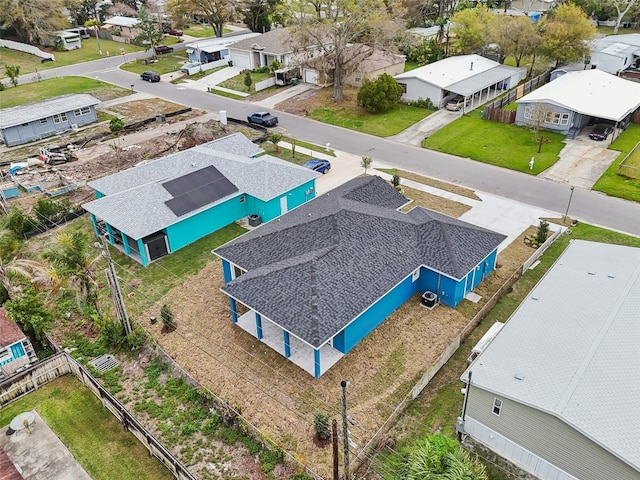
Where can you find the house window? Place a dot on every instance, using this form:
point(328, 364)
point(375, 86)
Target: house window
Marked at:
point(497, 406)
point(404, 87)
point(5, 355)
point(58, 118)
point(237, 271)
point(528, 113)
point(81, 111)
point(44, 121)
point(557, 118)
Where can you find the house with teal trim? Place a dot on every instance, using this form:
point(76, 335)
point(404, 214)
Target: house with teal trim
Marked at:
point(319, 279)
point(16, 350)
point(154, 209)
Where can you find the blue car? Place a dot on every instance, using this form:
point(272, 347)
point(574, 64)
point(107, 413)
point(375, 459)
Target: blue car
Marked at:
point(320, 166)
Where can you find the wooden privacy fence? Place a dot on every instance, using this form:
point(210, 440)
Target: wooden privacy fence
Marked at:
point(490, 110)
point(61, 364)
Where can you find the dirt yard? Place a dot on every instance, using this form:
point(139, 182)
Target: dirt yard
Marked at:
point(280, 398)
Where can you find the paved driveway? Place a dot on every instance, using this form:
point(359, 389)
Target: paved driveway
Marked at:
point(418, 132)
point(582, 161)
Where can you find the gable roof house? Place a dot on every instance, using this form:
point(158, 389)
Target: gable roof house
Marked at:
point(556, 391)
point(474, 77)
point(124, 26)
point(33, 121)
point(261, 51)
point(575, 98)
point(16, 350)
point(154, 209)
point(369, 64)
point(319, 279)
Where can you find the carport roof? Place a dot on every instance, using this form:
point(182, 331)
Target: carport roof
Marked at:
point(469, 86)
point(590, 92)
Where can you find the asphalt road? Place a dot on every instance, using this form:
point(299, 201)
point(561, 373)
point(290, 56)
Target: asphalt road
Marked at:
point(586, 205)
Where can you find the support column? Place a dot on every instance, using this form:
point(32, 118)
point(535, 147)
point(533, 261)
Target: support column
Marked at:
point(234, 314)
point(287, 345)
point(258, 326)
point(316, 362)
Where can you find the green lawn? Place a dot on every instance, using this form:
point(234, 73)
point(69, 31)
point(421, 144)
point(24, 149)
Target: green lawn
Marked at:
point(609, 30)
point(33, 92)
point(617, 185)
point(89, 51)
point(302, 153)
point(202, 31)
point(158, 278)
point(408, 66)
point(381, 124)
point(499, 144)
point(237, 83)
point(167, 63)
point(92, 434)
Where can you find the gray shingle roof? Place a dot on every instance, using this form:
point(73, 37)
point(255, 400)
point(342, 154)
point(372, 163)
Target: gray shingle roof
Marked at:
point(575, 341)
point(10, 117)
point(315, 269)
point(134, 200)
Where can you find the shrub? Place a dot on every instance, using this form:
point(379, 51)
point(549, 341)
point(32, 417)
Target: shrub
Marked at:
point(167, 317)
point(395, 180)
point(52, 210)
point(19, 222)
point(543, 232)
point(380, 95)
point(248, 81)
point(321, 426)
point(422, 103)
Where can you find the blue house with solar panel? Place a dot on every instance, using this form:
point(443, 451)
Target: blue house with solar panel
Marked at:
point(319, 279)
point(154, 209)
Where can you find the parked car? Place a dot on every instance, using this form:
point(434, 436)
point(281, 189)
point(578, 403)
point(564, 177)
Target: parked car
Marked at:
point(320, 166)
point(600, 132)
point(263, 118)
point(456, 103)
point(175, 32)
point(150, 76)
point(160, 49)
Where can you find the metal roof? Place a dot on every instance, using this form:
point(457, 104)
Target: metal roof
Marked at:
point(455, 70)
point(483, 80)
point(590, 92)
point(575, 340)
point(10, 117)
point(315, 269)
point(135, 200)
point(120, 21)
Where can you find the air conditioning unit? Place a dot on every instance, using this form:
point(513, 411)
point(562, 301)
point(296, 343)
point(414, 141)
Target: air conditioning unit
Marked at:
point(429, 300)
point(255, 220)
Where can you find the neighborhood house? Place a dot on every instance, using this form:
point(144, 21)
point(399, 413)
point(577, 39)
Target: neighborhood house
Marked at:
point(16, 350)
point(26, 123)
point(319, 279)
point(574, 99)
point(555, 392)
point(154, 209)
point(473, 77)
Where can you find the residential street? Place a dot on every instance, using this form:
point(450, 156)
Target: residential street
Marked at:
point(587, 206)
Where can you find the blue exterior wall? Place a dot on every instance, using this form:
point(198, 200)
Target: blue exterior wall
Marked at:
point(574, 118)
point(296, 197)
point(17, 351)
point(35, 130)
point(374, 315)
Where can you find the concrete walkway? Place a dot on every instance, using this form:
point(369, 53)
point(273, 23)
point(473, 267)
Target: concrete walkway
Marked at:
point(283, 95)
point(415, 134)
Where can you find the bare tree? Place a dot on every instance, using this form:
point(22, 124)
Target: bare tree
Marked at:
point(535, 115)
point(622, 8)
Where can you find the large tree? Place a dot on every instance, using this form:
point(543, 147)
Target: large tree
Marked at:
point(622, 8)
point(33, 20)
point(259, 15)
point(565, 34)
point(470, 28)
point(150, 31)
point(216, 12)
point(515, 36)
point(347, 33)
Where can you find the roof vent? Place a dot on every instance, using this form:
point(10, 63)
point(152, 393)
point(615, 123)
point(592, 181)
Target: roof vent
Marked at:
point(535, 297)
point(518, 376)
point(471, 67)
point(612, 275)
point(591, 272)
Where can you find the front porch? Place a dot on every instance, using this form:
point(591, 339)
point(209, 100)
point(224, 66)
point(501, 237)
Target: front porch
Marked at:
point(300, 353)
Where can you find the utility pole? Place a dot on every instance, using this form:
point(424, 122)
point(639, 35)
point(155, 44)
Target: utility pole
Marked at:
point(345, 430)
point(334, 439)
point(114, 287)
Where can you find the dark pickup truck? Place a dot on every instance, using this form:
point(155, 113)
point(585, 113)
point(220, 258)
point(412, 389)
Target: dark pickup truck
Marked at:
point(160, 49)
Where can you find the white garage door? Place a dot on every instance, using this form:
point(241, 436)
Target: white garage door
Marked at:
point(310, 76)
point(240, 60)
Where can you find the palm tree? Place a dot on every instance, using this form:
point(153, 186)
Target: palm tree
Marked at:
point(73, 264)
point(11, 265)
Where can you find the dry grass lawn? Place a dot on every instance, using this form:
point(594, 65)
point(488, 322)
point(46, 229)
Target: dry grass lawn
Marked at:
point(279, 398)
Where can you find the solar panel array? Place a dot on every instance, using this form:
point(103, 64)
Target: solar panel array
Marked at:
point(197, 189)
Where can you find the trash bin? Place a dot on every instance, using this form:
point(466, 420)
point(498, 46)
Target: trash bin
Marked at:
point(294, 81)
point(230, 63)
